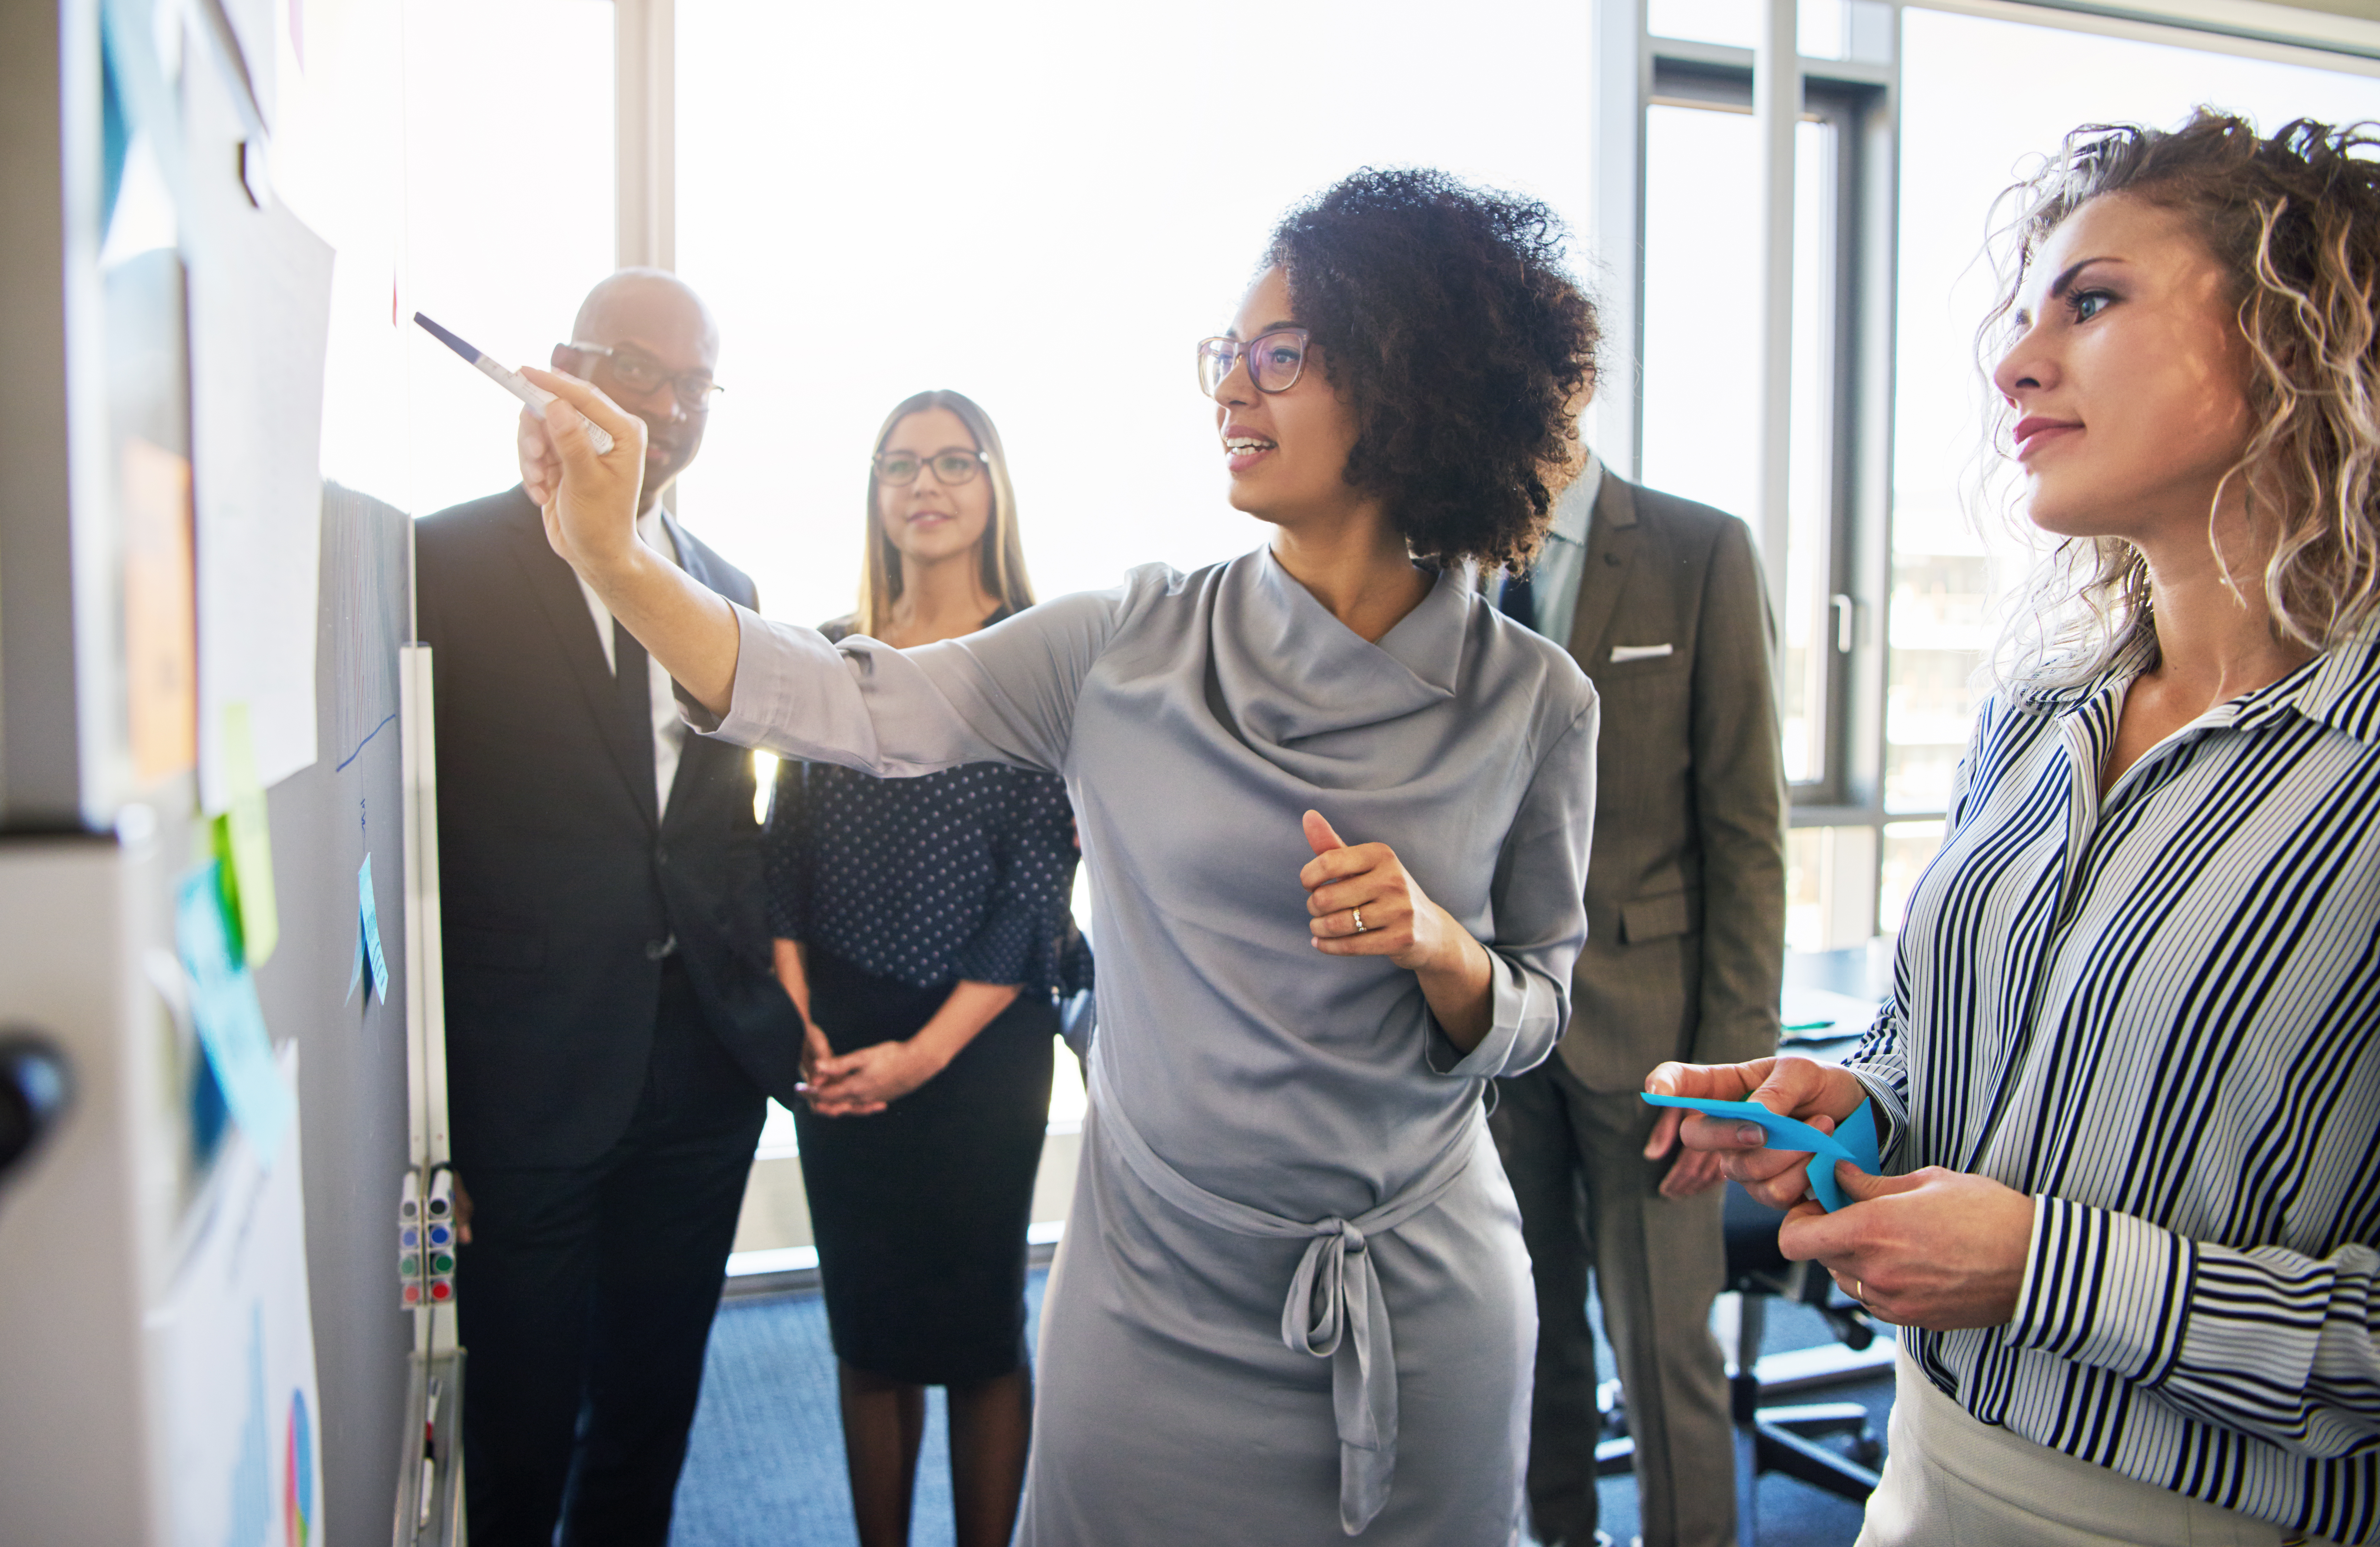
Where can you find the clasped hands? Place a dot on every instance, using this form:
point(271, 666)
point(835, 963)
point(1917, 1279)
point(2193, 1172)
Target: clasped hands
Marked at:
point(1935, 1248)
point(866, 1079)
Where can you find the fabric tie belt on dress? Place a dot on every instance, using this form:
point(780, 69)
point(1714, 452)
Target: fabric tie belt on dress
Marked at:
point(1334, 1311)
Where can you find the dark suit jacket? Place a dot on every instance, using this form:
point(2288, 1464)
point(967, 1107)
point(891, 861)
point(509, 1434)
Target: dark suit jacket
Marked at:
point(559, 887)
point(1686, 898)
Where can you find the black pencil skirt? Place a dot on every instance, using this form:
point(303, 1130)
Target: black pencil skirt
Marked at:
point(919, 1211)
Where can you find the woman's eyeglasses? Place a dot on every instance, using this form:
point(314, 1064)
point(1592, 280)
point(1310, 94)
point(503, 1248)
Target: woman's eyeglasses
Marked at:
point(953, 465)
point(640, 372)
point(1275, 359)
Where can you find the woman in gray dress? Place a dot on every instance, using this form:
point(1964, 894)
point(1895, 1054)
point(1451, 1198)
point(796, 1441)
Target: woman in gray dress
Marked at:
point(1336, 810)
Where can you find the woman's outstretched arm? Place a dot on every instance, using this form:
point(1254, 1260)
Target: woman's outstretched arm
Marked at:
point(591, 517)
point(1005, 694)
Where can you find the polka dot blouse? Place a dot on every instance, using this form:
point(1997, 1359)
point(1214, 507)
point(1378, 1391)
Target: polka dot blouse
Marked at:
point(965, 874)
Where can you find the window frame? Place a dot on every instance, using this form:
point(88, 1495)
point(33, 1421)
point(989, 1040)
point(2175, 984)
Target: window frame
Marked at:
point(1857, 99)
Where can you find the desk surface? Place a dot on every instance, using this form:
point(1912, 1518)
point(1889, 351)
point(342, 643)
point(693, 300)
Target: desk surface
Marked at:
point(1831, 997)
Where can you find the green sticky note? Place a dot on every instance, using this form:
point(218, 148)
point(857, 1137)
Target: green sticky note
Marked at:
point(244, 841)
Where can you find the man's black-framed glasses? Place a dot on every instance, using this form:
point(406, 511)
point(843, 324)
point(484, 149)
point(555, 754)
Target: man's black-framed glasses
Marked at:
point(640, 372)
point(951, 465)
point(1275, 359)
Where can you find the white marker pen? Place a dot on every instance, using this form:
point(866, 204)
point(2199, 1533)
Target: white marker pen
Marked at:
point(513, 381)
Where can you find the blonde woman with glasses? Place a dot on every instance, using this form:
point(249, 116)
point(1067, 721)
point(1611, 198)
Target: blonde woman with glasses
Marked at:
point(921, 925)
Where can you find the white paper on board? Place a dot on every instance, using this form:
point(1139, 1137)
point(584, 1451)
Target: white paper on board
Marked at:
point(260, 323)
point(233, 1342)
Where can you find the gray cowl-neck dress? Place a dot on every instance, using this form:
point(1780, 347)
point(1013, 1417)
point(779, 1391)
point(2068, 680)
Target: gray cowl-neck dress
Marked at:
point(1291, 1305)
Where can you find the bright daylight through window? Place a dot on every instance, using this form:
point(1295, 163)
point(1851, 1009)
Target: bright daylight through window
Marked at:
point(956, 196)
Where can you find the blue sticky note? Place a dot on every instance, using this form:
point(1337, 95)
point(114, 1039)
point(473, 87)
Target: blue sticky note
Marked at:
point(371, 930)
point(1853, 1140)
point(225, 1009)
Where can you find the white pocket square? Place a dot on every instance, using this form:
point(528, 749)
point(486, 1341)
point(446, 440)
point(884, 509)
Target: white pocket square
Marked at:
point(1622, 653)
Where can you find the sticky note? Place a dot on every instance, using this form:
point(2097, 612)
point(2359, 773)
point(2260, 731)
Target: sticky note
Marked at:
point(244, 843)
point(223, 1007)
point(1853, 1140)
point(371, 930)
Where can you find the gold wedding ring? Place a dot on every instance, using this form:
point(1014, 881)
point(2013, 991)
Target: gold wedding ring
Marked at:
point(1357, 914)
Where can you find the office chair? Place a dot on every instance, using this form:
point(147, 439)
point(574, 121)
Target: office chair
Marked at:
point(1782, 1439)
point(1773, 1439)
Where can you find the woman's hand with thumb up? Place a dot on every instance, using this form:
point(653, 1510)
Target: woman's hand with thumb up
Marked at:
point(1361, 901)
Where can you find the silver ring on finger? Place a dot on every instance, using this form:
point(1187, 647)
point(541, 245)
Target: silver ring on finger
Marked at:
point(1357, 914)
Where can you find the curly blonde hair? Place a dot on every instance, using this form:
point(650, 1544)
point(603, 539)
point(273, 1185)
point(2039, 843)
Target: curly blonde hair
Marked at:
point(2295, 218)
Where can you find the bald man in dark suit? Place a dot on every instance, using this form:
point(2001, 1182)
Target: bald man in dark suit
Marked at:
point(612, 1022)
point(1662, 604)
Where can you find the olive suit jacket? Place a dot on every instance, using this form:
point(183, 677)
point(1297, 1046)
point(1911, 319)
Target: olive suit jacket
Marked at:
point(1686, 898)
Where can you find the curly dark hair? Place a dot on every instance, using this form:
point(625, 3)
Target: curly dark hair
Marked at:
point(1449, 328)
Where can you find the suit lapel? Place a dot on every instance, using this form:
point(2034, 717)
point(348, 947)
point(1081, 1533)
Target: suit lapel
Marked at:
point(555, 588)
point(1610, 554)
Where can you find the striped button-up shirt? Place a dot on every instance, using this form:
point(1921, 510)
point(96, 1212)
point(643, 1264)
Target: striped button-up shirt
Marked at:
point(2159, 1013)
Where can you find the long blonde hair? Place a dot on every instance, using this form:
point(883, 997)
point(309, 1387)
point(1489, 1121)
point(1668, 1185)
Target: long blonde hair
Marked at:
point(2296, 220)
point(1001, 549)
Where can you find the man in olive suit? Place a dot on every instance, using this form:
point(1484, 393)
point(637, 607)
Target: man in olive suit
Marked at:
point(1662, 604)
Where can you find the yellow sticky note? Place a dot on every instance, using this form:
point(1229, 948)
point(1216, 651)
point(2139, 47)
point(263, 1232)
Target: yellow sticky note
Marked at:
point(243, 841)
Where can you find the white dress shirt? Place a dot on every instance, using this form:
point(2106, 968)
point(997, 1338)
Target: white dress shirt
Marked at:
point(669, 730)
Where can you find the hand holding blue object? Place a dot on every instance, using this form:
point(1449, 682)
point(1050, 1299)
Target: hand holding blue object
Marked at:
point(1854, 1139)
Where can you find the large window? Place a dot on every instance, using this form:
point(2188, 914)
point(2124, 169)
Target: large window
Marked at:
point(500, 240)
point(1045, 206)
point(1701, 374)
point(1913, 121)
point(1045, 209)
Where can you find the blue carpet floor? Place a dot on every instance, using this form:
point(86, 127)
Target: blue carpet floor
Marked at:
point(765, 1465)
